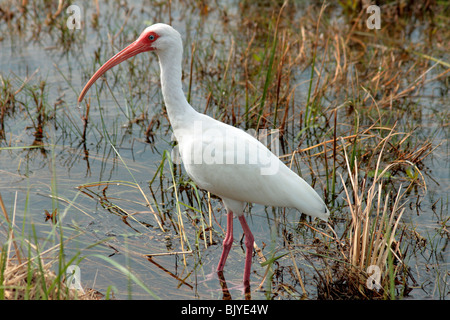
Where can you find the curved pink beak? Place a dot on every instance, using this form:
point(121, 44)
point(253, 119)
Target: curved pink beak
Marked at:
point(133, 49)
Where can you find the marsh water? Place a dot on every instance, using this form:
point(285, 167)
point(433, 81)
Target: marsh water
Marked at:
point(91, 179)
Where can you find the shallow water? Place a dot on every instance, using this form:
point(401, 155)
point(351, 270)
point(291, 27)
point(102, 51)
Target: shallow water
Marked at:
point(39, 177)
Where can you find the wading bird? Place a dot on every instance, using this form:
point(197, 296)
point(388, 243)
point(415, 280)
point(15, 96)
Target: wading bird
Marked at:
point(219, 158)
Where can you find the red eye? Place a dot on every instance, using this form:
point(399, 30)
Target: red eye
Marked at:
point(151, 37)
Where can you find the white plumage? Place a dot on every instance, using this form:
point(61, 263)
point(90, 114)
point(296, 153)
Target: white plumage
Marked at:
point(219, 158)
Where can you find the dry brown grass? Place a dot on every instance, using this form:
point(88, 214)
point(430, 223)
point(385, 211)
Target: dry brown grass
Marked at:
point(315, 73)
point(25, 278)
point(26, 282)
point(369, 250)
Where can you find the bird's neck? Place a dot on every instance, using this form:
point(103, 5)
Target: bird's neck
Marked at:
point(179, 110)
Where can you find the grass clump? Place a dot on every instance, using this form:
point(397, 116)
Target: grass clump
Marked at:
point(369, 259)
point(30, 277)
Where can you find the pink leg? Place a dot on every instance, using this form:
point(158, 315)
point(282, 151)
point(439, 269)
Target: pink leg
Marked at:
point(249, 240)
point(227, 242)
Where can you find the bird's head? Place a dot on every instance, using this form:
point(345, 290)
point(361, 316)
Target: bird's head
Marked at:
point(159, 37)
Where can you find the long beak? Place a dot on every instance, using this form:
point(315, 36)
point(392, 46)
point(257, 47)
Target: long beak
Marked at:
point(130, 51)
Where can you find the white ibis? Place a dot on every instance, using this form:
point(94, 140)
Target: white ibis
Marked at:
point(219, 158)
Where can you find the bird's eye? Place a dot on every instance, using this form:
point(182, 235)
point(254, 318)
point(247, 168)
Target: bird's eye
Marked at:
point(151, 37)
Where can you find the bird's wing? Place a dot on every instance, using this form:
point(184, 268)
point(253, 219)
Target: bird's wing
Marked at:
point(232, 164)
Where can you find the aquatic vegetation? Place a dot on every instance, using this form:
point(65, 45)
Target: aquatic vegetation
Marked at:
point(361, 114)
